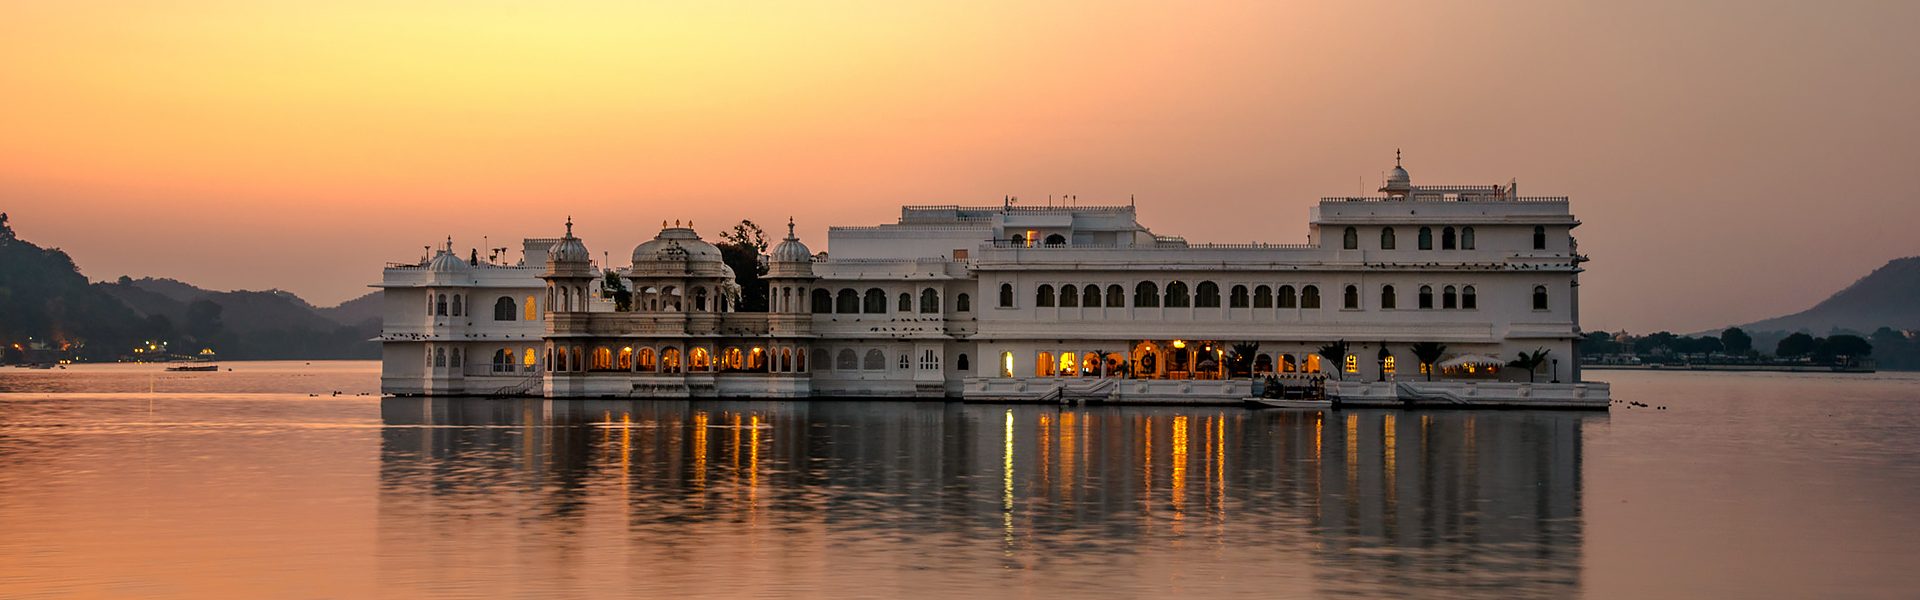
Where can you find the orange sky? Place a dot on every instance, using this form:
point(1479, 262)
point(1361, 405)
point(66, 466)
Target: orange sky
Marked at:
point(1731, 160)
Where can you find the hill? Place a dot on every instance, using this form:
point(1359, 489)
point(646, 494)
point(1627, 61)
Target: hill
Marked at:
point(49, 311)
point(1884, 298)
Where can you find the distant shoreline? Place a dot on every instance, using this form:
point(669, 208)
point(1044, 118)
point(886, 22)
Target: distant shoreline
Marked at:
point(1730, 368)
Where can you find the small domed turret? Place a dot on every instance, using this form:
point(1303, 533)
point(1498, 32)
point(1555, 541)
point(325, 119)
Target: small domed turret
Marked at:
point(790, 258)
point(1399, 184)
point(569, 255)
point(676, 251)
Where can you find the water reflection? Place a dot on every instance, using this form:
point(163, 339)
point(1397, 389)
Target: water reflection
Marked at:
point(915, 494)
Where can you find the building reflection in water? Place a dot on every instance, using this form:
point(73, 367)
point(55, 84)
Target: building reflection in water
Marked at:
point(810, 493)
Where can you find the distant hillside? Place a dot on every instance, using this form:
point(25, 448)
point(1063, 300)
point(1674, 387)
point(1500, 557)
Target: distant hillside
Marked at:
point(48, 311)
point(357, 311)
point(253, 324)
point(1887, 297)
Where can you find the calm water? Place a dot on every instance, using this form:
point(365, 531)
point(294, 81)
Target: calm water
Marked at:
point(123, 481)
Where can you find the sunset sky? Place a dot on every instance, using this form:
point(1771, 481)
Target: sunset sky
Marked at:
point(1730, 160)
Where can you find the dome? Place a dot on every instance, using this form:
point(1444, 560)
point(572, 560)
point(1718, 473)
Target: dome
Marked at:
point(676, 251)
point(1398, 182)
point(444, 261)
point(568, 255)
point(791, 257)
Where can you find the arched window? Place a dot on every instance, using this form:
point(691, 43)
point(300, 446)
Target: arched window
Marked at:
point(1263, 363)
point(1069, 296)
point(440, 306)
point(1386, 297)
point(1353, 363)
point(457, 305)
point(626, 359)
point(846, 360)
point(1019, 240)
point(1006, 295)
point(848, 302)
point(1426, 296)
point(1449, 298)
point(1350, 299)
point(963, 303)
point(1043, 296)
point(700, 299)
point(1090, 296)
point(800, 361)
point(529, 359)
point(1386, 238)
point(1056, 240)
point(786, 360)
point(1539, 297)
point(533, 312)
point(456, 358)
point(876, 302)
point(1446, 239)
point(1262, 296)
point(905, 363)
point(503, 309)
point(820, 359)
point(732, 359)
point(670, 360)
point(1288, 364)
point(1006, 364)
point(876, 360)
point(503, 361)
point(1043, 365)
point(906, 302)
point(602, 359)
point(1350, 239)
point(700, 359)
point(1466, 238)
point(1146, 295)
point(439, 357)
point(1116, 296)
point(1287, 299)
point(1467, 299)
point(822, 301)
point(1539, 237)
point(1207, 295)
point(929, 301)
point(643, 360)
point(1310, 297)
point(1238, 297)
point(1426, 238)
point(1177, 295)
point(960, 362)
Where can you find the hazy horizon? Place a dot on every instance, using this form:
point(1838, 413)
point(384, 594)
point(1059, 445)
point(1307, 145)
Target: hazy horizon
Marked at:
point(1730, 161)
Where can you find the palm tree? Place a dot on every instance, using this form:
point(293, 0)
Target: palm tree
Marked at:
point(1102, 355)
point(1242, 355)
point(1335, 353)
point(1429, 353)
point(1530, 361)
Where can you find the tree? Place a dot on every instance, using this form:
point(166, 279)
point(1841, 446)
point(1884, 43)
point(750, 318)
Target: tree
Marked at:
point(203, 319)
point(1429, 353)
point(1846, 349)
point(1796, 345)
point(616, 287)
point(1736, 341)
point(1240, 357)
point(1530, 361)
point(741, 248)
point(1335, 353)
point(1102, 355)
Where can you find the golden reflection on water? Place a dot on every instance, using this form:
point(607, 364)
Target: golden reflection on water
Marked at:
point(700, 452)
point(1006, 497)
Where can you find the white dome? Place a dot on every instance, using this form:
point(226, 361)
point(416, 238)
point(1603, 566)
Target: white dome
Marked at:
point(569, 256)
point(677, 251)
point(1399, 177)
point(790, 258)
point(444, 261)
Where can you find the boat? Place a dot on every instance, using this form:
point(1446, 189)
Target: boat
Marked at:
point(194, 368)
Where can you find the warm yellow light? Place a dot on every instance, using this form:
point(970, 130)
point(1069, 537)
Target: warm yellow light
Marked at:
point(1179, 344)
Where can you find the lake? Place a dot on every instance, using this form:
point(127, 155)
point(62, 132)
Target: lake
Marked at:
point(121, 480)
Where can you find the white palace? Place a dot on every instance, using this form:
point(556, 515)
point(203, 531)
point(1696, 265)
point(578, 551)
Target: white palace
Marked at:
point(1007, 303)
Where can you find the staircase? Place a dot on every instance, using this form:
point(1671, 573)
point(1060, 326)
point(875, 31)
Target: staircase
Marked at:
point(519, 388)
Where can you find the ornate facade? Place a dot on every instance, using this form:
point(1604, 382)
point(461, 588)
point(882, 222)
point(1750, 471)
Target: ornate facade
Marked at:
point(1008, 302)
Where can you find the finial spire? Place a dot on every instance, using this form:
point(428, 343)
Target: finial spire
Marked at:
point(449, 243)
point(1396, 157)
point(569, 225)
point(790, 228)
